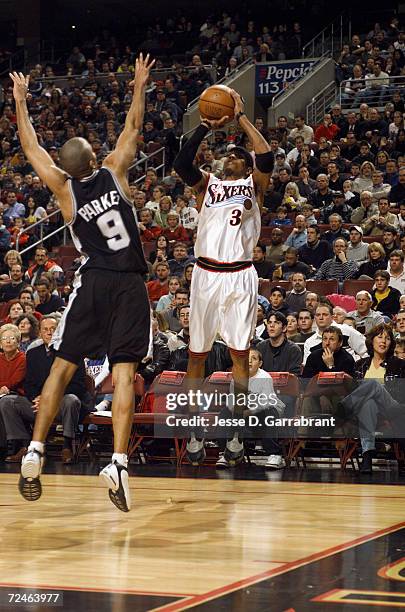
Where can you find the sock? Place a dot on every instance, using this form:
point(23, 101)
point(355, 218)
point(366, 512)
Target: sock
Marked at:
point(67, 442)
point(103, 405)
point(38, 446)
point(120, 458)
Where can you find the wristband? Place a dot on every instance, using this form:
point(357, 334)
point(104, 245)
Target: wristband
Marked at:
point(239, 115)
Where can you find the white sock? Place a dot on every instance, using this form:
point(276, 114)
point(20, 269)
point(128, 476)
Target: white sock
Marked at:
point(103, 405)
point(120, 458)
point(38, 446)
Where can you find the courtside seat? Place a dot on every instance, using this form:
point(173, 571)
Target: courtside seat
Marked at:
point(322, 392)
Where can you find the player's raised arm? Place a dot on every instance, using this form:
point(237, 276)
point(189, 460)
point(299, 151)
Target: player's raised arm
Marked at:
point(124, 153)
point(184, 164)
point(42, 163)
point(264, 157)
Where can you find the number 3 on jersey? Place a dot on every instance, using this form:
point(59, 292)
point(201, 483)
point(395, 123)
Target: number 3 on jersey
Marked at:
point(236, 217)
point(112, 227)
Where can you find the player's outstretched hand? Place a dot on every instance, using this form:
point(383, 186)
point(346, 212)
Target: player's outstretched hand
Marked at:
point(239, 104)
point(215, 124)
point(20, 89)
point(142, 70)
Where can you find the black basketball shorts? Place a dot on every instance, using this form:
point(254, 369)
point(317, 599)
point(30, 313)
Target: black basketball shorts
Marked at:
point(108, 314)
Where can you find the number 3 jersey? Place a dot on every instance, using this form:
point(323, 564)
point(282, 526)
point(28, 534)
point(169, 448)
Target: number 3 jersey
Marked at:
point(229, 221)
point(104, 227)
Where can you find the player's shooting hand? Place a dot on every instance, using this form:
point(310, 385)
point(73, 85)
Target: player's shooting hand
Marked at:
point(21, 83)
point(239, 104)
point(215, 124)
point(142, 70)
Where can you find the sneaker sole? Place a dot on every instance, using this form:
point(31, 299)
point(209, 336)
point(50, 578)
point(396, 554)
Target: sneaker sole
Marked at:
point(29, 469)
point(196, 459)
point(30, 488)
point(118, 496)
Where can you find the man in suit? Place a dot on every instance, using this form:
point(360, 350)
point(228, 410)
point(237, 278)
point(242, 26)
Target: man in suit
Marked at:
point(18, 412)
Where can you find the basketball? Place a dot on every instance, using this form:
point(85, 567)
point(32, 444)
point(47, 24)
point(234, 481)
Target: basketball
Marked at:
point(216, 102)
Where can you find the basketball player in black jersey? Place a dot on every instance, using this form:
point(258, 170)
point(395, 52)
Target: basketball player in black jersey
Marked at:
point(108, 311)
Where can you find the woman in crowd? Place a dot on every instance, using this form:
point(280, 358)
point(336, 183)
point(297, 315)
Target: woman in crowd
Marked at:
point(33, 212)
point(157, 193)
point(165, 206)
point(385, 298)
point(165, 301)
point(161, 251)
point(10, 258)
point(15, 310)
point(292, 198)
point(186, 278)
point(28, 327)
point(376, 261)
point(364, 182)
point(371, 399)
point(292, 325)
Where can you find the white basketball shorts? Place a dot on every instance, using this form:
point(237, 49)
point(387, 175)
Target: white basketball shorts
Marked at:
point(223, 303)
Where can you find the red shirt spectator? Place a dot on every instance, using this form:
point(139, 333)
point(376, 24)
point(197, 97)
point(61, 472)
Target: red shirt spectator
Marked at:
point(157, 288)
point(12, 361)
point(174, 231)
point(327, 129)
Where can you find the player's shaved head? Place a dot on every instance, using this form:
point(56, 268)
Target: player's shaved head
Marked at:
point(76, 157)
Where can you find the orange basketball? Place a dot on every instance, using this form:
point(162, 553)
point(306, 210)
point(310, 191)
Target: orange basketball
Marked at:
point(216, 102)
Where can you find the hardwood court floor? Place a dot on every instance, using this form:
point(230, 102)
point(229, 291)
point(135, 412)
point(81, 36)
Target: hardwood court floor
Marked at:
point(204, 544)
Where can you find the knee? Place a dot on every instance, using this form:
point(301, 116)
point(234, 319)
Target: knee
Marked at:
point(6, 404)
point(71, 401)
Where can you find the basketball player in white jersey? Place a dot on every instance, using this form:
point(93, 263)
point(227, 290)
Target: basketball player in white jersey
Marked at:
point(224, 286)
point(108, 311)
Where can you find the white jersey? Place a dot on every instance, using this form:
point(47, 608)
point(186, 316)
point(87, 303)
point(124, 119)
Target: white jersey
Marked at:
point(229, 223)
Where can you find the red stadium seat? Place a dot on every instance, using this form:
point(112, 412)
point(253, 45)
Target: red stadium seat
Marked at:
point(351, 287)
point(322, 287)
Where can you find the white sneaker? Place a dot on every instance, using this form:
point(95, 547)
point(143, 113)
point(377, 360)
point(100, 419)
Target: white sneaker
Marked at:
point(222, 462)
point(115, 477)
point(29, 484)
point(275, 462)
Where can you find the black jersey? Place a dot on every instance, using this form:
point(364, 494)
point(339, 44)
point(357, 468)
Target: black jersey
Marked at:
point(103, 227)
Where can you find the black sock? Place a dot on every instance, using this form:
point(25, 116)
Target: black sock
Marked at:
point(67, 443)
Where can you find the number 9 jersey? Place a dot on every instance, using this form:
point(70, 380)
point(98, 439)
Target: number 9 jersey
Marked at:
point(229, 221)
point(103, 226)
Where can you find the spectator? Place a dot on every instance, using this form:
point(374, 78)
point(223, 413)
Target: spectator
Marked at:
point(278, 353)
point(281, 219)
point(322, 196)
point(305, 324)
point(331, 357)
point(366, 209)
point(159, 287)
point(275, 251)
point(18, 412)
point(180, 259)
point(379, 189)
point(364, 316)
point(48, 303)
point(171, 314)
point(376, 261)
point(277, 300)
point(261, 330)
point(14, 310)
point(338, 206)
point(298, 236)
point(305, 184)
point(364, 182)
point(174, 231)
point(292, 198)
point(150, 367)
point(28, 327)
point(336, 229)
point(165, 302)
point(352, 339)
point(165, 207)
point(338, 267)
point(327, 129)
point(291, 265)
point(42, 264)
point(295, 298)
point(357, 250)
point(389, 242)
point(315, 251)
point(188, 214)
point(301, 129)
point(397, 193)
point(11, 290)
point(396, 270)
point(385, 298)
point(263, 267)
point(148, 229)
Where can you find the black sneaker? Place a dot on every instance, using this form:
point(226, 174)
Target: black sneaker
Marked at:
point(115, 477)
point(234, 452)
point(195, 451)
point(29, 484)
point(367, 463)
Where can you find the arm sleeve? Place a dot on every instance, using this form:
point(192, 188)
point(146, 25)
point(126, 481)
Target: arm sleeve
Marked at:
point(183, 163)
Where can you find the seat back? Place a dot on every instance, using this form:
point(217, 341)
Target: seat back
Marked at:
point(322, 287)
point(155, 400)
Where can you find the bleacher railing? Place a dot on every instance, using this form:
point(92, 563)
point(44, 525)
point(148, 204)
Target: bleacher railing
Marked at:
point(331, 38)
point(142, 165)
point(299, 79)
point(320, 104)
point(41, 227)
point(376, 92)
point(79, 79)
